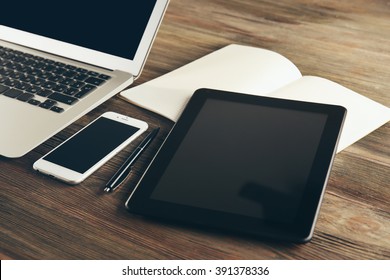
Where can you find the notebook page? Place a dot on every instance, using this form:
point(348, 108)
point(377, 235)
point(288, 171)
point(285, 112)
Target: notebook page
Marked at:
point(363, 114)
point(232, 68)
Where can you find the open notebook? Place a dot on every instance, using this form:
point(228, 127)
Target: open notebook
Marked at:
point(259, 72)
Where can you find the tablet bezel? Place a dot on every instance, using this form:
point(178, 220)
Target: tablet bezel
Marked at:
point(300, 230)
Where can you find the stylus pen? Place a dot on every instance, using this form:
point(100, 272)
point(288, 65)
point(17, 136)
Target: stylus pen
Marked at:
point(125, 169)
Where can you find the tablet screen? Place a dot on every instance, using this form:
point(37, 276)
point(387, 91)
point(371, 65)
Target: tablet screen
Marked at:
point(245, 163)
point(245, 159)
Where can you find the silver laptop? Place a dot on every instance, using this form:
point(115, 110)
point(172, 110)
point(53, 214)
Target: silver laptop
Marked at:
point(59, 62)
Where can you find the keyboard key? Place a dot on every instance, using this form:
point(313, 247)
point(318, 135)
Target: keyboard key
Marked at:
point(80, 77)
point(59, 88)
point(28, 61)
point(104, 77)
point(34, 102)
point(56, 78)
point(59, 64)
point(58, 70)
point(22, 86)
point(5, 72)
point(34, 72)
point(84, 91)
point(16, 75)
point(33, 89)
point(2, 79)
point(77, 84)
point(49, 85)
point(67, 81)
point(69, 74)
point(70, 91)
point(44, 92)
point(45, 75)
point(70, 67)
point(94, 81)
point(27, 78)
point(93, 73)
point(25, 96)
point(11, 65)
point(57, 109)
point(38, 82)
point(49, 61)
point(48, 67)
point(13, 93)
point(47, 104)
point(3, 88)
point(11, 82)
point(89, 87)
point(63, 98)
point(37, 64)
point(81, 70)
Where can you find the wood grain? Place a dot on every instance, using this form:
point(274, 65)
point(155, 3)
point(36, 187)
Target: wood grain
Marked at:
point(345, 41)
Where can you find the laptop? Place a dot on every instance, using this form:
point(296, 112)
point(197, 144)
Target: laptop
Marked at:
point(59, 62)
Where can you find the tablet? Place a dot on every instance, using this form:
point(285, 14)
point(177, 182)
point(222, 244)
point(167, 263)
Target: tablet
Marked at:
point(243, 163)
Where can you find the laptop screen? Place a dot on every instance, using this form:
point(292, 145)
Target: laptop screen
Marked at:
point(113, 27)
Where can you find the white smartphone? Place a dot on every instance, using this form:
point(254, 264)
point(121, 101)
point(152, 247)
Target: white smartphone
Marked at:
point(87, 150)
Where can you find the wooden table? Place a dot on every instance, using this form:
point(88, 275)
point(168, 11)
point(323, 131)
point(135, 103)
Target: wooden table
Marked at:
point(345, 41)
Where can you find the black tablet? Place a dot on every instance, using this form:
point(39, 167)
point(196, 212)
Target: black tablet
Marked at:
point(243, 163)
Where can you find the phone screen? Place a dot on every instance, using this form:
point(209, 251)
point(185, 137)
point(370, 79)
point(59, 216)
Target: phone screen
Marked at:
point(91, 144)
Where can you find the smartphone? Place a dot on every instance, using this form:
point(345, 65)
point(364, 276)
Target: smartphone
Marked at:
point(83, 153)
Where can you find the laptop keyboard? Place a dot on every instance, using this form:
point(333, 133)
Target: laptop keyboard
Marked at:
point(44, 83)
